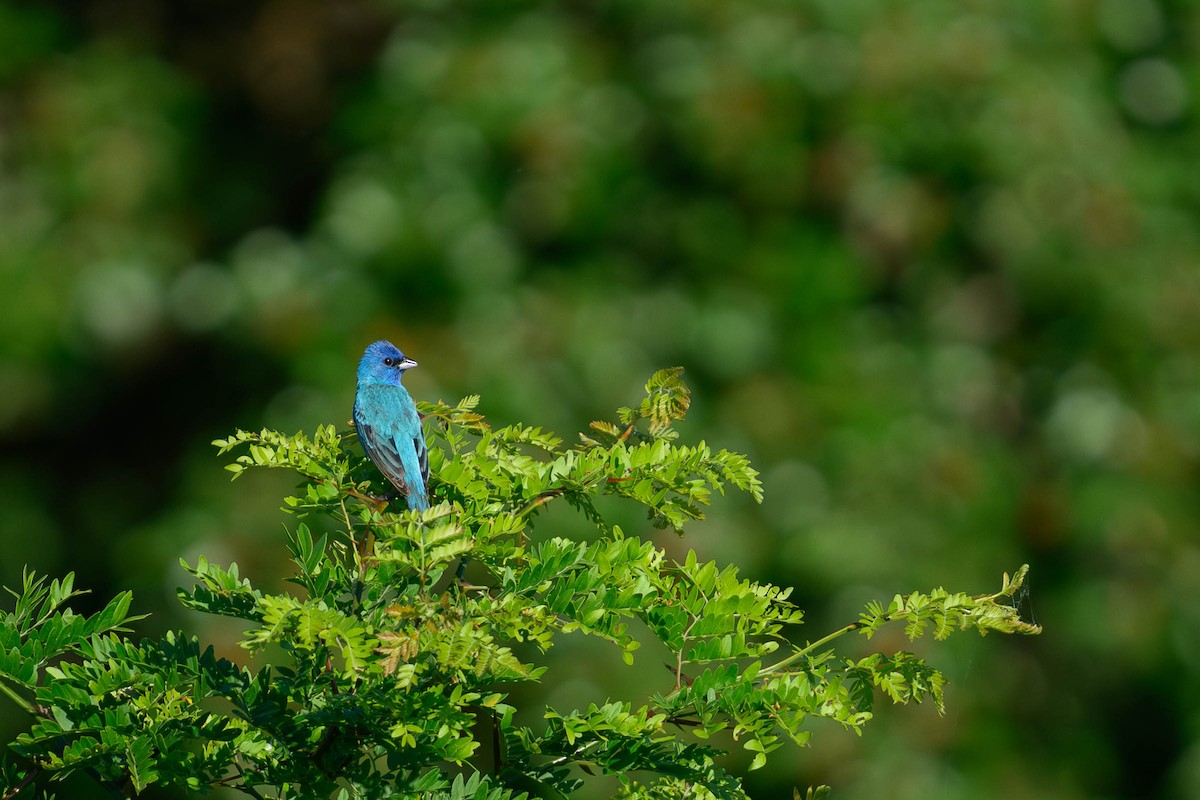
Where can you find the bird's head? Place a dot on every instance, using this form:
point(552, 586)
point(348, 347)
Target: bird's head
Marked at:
point(383, 363)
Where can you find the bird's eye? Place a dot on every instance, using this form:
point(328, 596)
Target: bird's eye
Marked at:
point(389, 362)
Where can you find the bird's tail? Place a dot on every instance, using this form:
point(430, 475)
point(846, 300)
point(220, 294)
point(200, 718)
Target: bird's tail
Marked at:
point(418, 502)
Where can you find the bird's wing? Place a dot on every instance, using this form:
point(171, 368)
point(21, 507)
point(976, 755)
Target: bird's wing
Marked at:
point(390, 431)
point(422, 456)
point(380, 450)
point(377, 434)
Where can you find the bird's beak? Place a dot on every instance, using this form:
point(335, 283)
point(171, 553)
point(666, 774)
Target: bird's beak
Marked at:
point(407, 363)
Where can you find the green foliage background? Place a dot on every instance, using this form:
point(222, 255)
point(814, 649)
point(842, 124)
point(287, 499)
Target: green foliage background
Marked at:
point(933, 265)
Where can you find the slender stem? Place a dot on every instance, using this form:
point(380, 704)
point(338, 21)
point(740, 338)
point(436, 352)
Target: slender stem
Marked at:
point(684, 722)
point(377, 503)
point(16, 698)
point(346, 516)
point(243, 787)
point(540, 500)
point(679, 655)
point(695, 620)
point(550, 494)
point(796, 656)
point(853, 626)
point(360, 553)
point(497, 752)
point(799, 654)
point(16, 790)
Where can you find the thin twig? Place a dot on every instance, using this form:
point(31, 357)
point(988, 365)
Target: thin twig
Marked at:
point(16, 790)
point(799, 654)
point(245, 788)
point(497, 752)
point(541, 500)
point(25, 705)
point(679, 655)
point(550, 494)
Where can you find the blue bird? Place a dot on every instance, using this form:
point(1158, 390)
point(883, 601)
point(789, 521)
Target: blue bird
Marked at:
point(387, 422)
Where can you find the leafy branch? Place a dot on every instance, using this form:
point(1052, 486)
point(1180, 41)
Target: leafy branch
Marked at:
point(387, 674)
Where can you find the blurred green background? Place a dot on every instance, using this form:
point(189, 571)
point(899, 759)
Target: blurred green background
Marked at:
point(932, 264)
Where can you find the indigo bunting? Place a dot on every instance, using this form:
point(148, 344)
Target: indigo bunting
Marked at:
point(387, 422)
